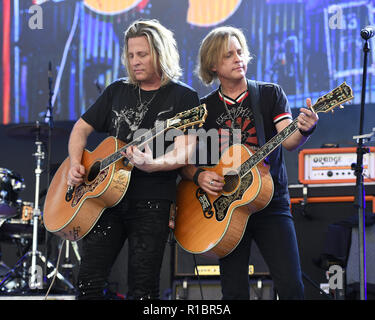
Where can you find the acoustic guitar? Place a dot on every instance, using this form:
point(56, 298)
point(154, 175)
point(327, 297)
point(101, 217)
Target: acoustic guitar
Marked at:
point(213, 226)
point(71, 212)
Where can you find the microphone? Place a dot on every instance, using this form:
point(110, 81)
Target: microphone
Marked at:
point(368, 32)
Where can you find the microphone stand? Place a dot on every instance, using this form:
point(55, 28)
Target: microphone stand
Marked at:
point(359, 201)
point(68, 266)
point(49, 120)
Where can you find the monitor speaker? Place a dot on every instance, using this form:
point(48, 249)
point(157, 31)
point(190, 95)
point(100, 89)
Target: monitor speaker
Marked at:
point(185, 264)
point(313, 223)
point(187, 289)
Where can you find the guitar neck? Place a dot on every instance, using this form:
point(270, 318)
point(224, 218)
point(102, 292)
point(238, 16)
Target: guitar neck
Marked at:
point(182, 120)
point(140, 142)
point(266, 149)
point(337, 96)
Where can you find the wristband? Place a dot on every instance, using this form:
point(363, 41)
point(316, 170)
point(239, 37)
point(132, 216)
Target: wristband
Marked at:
point(307, 133)
point(196, 175)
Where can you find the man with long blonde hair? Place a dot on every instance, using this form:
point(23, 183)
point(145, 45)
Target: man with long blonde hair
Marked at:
point(151, 94)
point(259, 111)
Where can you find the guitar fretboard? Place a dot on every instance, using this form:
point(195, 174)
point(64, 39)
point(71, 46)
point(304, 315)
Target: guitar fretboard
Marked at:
point(266, 149)
point(139, 142)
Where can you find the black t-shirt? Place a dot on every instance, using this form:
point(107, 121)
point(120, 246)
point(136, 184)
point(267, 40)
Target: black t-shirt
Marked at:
point(274, 108)
point(125, 112)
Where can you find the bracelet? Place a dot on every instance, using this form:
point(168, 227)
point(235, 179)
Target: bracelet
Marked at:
point(196, 175)
point(307, 133)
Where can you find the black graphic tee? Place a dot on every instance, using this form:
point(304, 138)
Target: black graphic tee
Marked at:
point(238, 115)
point(235, 123)
point(125, 112)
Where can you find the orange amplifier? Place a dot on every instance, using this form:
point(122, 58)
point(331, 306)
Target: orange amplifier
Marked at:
point(333, 165)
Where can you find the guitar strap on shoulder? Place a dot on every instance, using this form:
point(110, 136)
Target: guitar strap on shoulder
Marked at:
point(254, 92)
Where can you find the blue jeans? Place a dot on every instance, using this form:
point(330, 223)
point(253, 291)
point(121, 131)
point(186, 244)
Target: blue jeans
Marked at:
point(276, 239)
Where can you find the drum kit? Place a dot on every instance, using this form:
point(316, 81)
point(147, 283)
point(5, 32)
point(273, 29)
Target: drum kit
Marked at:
point(21, 222)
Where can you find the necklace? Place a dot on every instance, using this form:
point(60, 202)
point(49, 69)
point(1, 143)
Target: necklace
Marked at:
point(145, 105)
point(234, 125)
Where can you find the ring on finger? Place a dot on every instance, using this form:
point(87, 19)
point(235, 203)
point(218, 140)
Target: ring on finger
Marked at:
point(211, 182)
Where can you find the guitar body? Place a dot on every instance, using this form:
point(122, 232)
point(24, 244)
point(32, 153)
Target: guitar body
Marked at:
point(214, 226)
point(73, 219)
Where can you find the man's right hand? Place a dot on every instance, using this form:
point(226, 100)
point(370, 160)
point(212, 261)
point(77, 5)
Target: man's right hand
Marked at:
point(211, 182)
point(76, 174)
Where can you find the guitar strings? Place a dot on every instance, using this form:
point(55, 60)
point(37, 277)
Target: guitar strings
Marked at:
point(117, 155)
point(263, 152)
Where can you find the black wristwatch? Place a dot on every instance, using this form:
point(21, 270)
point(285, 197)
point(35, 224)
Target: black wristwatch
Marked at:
point(196, 175)
point(307, 133)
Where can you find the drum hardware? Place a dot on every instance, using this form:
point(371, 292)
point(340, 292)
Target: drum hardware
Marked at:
point(31, 130)
point(67, 265)
point(33, 282)
point(27, 211)
point(39, 155)
point(11, 183)
point(20, 226)
point(31, 215)
point(16, 277)
point(51, 169)
point(4, 269)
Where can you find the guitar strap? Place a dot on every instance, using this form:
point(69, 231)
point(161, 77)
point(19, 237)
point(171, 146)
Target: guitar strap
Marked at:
point(254, 94)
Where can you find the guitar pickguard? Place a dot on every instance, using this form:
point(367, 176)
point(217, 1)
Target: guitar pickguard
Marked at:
point(222, 203)
point(83, 188)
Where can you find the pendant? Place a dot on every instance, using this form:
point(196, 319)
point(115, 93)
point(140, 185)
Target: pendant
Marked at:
point(140, 106)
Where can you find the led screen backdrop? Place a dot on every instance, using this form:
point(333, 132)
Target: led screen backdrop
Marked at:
point(308, 47)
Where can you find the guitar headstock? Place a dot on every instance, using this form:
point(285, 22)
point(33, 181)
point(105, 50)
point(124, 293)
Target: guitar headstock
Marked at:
point(189, 118)
point(334, 98)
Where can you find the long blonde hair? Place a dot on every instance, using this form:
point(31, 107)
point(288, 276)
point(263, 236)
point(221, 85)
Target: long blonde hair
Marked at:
point(212, 49)
point(163, 49)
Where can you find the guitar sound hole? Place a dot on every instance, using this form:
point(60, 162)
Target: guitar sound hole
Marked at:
point(231, 181)
point(94, 171)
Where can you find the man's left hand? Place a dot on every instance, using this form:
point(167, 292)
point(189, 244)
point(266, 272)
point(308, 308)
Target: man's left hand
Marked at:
point(307, 118)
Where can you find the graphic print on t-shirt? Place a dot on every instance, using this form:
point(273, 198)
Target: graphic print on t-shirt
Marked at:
point(244, 122)
point(133, 117)
point(161, 117)
point(129, 120)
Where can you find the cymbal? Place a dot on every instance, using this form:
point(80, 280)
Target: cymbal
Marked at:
point(33, 130)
